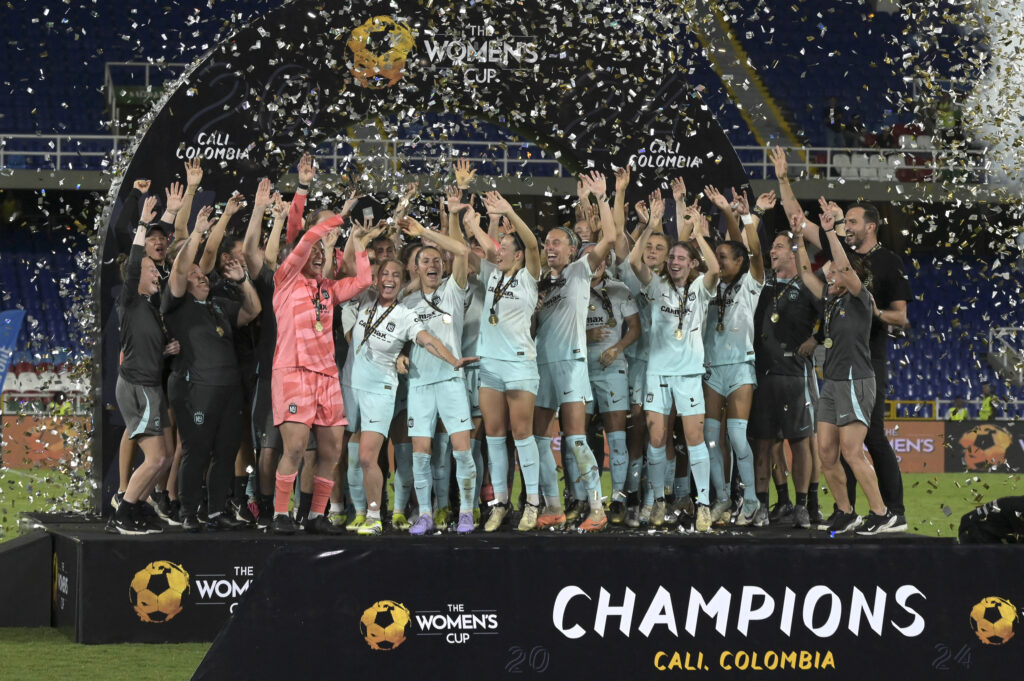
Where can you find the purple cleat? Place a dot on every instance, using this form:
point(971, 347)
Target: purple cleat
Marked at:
point(465, 525)
point(423, 524)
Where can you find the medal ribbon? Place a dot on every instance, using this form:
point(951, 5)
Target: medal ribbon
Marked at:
point(606, 302)
point(430, 302)
point(371, 325)
point(499, 290)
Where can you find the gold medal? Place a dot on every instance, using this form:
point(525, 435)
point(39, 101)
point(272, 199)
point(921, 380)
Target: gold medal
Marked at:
point(775, 317)
point(679, 334)
point(720, 328)
point(319, 327)
point(493, 319)
point(220, 331)
point(446, 318)
point(612, 322)
point(828, 343)
point(592, 307)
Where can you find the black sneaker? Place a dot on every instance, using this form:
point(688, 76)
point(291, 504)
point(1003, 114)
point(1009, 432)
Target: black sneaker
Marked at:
point(151, 523)
point(126, 520)
point(782, 512)
point(115, 500)
point(283, 524)
point(898, 525)
point(266, 514)
point(321, 525)
point(190, 522)
point(844, 522)
point(875, 523)
point(225, 521)
point(241, 512)
point(815, 516)
point(824, 524)
point(160, 502)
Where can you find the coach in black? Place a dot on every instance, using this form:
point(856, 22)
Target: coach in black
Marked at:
point(204, 387)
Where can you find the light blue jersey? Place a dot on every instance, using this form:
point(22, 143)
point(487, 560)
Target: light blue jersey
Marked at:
point(640, 349)
point(671, 315)
point(735, 342)
point(441, 313)
point(562, 316)
point(473, 315)
point(604, 295)
point(510, 339)
point(373, 367)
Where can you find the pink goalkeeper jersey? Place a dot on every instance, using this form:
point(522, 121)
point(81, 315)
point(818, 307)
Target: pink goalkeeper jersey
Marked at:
point(304, 340)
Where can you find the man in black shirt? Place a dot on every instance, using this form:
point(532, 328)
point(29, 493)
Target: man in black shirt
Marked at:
point(204, 386)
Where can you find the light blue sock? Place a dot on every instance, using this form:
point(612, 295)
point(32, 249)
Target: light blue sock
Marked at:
point(478, 464)
point(588, 467)
point(744, 456)
point(529, 463)
point(403, 476)
point(633, 474)
point(573, 483)
point(713, 436)
point(465, 475)
point(355, 477)
point(441, 467)
point(619, 456)
point(497, 461)
point(422, 476)
point(656, 470)
point(700, 463)
point(548, 472)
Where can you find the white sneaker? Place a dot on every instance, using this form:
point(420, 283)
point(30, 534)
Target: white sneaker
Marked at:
point(658, 513)
point(703, 518)
point(496, 518)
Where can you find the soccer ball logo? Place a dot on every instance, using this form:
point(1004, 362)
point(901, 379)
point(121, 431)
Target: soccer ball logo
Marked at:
point(993, 620)
point(158, 591)
point(985, 447)
point(384, 625)
point(379, 48)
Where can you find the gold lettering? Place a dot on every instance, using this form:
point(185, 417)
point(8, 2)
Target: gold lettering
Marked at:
point(771, 659)
point(789, 659)
point(657, 660)
point(742, 660)
point(805, 659)
point(676, 662)
point(721, 660)
point(829, 661)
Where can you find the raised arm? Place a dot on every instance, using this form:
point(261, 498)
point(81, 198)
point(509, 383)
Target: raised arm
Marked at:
point(497, 204)
point(657, 207)
point(251, 306)
point(788, 198)
point(845, 274)
point(636, 256)
point(209, 259)
point(251, 240)
point(722, 203)
point(710, 259)
point(193, 176)
point(803, 261)
point(175, 195)
point(350, 287)
point(307, 173)
point(619, 213)
point(595, 184)
point(295, 260)
point(178, 280)
point(484, 240)
point(129, 215)
point(752, 241)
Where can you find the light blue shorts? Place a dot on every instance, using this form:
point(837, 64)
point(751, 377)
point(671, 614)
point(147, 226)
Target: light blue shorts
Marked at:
point(503, 375)
point(563, 382)
point(444, 399)
point(472, 380)
point(725, 379)
point(637, 377)
point(610, 388)
point(373, 412)
point(685, 392)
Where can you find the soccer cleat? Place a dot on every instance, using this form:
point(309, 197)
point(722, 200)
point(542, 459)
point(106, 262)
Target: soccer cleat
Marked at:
point(801, 517)
point(573, 510)
point(844, 522)
point(400, 522)
point(240, 510)
point(551, 519)
point(466, 524)
point(632, 516)
point(116, 499)
point(499, 511)
point(338, 518)
point(703, 518)
point(358, 521)
point(371, 528)
point(595, 522)
point(658, 512)
point(476, 517)
point(747, 514)
point(616, 512)
point(225, 521)
point(528, 521)
point(720, 512)
point(681, 509)
point(321, 525)
point(781, 512)
point(898, 525)
point(645, 515)
point(283, 524)
point(442, 517)
point(190, 522)
point(423, 525)
point(875, 524)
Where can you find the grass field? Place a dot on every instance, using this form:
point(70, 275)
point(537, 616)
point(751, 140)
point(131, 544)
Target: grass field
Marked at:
point(934, 506)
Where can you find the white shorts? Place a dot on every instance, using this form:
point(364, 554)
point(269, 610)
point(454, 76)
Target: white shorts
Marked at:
point(610, 388)
point(444, 399)
point(685, 392)
point(563, 382)
point(472, 379)
point(724, 379)
point(503, 375)
point(637, 377)
point(370, 411)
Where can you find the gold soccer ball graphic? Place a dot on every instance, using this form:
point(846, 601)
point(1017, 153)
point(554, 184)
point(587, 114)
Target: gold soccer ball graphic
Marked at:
point(985, 446)
point(993, 620)
point(379, 48)
point(384, 625)
point(158, 591)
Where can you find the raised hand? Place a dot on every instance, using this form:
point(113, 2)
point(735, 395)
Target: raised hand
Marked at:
point(657, 205)
point(642, 212)
point(739, 200)
point(204, 220)
point(779, 161)
point(280, 206)
point(717, 198)
point(234, 204)
point(622, 179)
point(331, 238)
point(262, 200)
point(767, 200)
point(465, 173)
point(142, 185)
point(175, 195)
point(828, 221)
point(193, 172)
point(350, 204)
point(496, 204)
point(411, 190)
point(307, 172)
point(412, 227)
point(678, 190)
point(595, 183)
point(471, 219)
point(454, 197)
point(796, 225)
point(148, 210)
point(830, 207)
point(234, 271)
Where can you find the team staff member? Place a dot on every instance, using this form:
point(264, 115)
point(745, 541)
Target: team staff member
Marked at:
point(679, 304)
point(787, 390)
point(562, 363)
point(203, 388)
point(508, 366)
point(848, 393)
point(891, 291)
point(306, 390)
point(140, 394)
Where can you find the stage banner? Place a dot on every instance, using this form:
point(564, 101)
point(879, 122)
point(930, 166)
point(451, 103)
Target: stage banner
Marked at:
point(588, 84)
point(984, 446)
point(919, 445)
point(10, 326)
point(629, 608)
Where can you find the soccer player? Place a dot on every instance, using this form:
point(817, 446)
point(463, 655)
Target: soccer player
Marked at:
point(508, 366)
point(678, 302)
point(562, 363)
point(305, 385)
point(848, 393)
point(729, 349)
